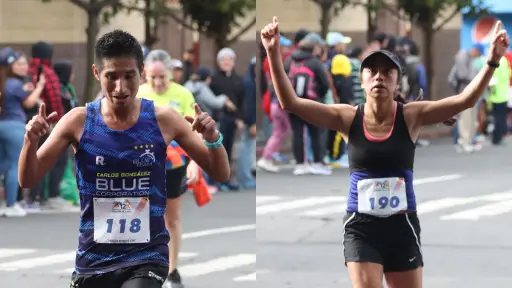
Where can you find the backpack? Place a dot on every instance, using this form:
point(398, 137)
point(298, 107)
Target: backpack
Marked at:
point(303, 80)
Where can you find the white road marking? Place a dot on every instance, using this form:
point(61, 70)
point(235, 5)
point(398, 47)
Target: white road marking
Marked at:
point(265, 198)
point(218, 231)
point(340, 208)
point(501, 196)
point(217, 265)
point(6, 253)
point(443, 203)
point(245, 278)
point(428, 180)
point(329, 210)
point(38, 262)
point(300, 203)
point(482, 211)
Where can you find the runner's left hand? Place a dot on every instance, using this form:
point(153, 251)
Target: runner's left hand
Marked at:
point(192, 173)
point(499, 44)
point(204, 124)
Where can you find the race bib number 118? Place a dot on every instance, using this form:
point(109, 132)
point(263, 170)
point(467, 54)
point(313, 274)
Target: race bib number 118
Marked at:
point(121, 220)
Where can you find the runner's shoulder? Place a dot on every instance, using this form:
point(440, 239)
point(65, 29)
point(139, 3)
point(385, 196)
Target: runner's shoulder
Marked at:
point(169, 121)
point(75, 118)
point(164, 114)
point(346, 111)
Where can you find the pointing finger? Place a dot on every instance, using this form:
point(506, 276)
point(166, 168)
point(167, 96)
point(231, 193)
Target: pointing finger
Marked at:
point(497, 28)
point(197, 109)
point(42, 110)
point(275, 21)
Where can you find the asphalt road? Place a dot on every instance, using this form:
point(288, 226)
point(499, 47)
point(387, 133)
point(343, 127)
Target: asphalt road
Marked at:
point(218, 248)
point(465, 205)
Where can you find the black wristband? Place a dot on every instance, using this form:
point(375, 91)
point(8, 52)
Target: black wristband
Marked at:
point(493, 64)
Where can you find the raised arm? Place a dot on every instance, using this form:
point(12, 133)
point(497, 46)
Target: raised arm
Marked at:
point(432, 112)
point(213, 160)
point(34, 163)
point(318, 114)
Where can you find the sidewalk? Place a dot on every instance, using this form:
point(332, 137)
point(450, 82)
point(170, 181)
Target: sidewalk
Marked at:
point(429, 132)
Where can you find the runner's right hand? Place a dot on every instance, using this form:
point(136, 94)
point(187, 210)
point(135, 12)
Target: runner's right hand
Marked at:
point(270, 36)
point(38, 126)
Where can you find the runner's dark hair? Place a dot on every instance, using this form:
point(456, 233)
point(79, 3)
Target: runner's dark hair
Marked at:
point(116, 44)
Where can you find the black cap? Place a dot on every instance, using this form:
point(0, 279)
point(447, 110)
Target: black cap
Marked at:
point(203, 72)
point(8, 56)
point(390, 55)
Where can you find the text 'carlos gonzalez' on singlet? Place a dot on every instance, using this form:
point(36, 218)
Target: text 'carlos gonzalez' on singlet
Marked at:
point(121, 179)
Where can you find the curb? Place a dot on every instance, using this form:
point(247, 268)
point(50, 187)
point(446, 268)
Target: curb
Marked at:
point(429, 134)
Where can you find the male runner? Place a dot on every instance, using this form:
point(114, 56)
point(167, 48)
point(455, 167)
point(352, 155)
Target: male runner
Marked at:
point(120, 143)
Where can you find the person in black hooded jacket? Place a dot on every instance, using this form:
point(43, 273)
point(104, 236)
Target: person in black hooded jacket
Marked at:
point(64, 71)
point(226, 81)
point(302, 62)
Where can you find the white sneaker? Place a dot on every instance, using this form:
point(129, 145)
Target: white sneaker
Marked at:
point(15, 211)
point(468, 148)
point(2, 209)
point(321, 169)
point(267, 165)
point(302, 169)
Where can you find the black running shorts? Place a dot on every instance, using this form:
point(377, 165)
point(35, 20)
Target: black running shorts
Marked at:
point(394, 241)
point(176, 182)
point(141, 276)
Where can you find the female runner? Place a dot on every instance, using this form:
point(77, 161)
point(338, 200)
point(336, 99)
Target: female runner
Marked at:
point(381, 228)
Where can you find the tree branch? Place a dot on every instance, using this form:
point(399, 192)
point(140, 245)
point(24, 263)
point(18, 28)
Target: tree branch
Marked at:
point(382, 5)
point(164, 11)
point(105, 3)
point(81, 4)
point(446, 20)
point(242, 31)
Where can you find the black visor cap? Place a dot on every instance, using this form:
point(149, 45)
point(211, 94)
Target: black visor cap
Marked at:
point(367, 61)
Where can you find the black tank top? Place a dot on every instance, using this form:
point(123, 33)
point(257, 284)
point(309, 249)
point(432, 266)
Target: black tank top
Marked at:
point(392, 154)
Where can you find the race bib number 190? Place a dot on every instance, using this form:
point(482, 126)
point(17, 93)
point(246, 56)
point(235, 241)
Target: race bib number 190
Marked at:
point(121, 220)
point(381, 197)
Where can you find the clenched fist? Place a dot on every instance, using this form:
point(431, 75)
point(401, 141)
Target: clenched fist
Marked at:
point(270, 36)
point(499, 44)
point(38, 126)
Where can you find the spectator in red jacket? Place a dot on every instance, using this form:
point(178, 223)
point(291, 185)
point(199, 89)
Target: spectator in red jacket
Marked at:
point(42, 54)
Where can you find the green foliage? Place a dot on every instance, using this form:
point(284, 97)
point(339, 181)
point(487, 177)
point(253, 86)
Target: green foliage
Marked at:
point(217, 18)
point(426, 12)
point(106, 8)
point(108, 14)
point(334, 5)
